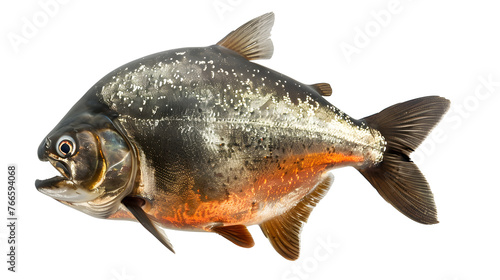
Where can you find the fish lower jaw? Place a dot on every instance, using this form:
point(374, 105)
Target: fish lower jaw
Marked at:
point(63, 190)
point(52, 187)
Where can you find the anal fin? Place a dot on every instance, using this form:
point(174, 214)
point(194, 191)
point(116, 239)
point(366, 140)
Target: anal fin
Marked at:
point(134, 205)
point(238, 234)
point(283, 231)
point(323, 88)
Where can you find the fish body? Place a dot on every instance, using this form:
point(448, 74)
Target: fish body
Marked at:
point(204, 139)
point(226, 141)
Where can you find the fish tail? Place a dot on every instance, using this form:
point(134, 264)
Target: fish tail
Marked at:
point(397, 179)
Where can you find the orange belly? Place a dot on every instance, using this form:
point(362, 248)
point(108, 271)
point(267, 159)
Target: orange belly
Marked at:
point(269, 194)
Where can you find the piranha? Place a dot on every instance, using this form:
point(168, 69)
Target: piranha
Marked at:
point(203, 139)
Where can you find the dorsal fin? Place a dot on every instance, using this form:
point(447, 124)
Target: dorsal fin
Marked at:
point(323, 88)
point(238, 234)
point(283, 231)
point(252, 39)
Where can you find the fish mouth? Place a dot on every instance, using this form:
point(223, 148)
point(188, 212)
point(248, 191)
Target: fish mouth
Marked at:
point(63, 188)
point(57, 187)
point(62, 168)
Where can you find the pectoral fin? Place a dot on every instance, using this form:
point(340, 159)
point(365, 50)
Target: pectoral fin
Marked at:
point(134, 205)
point(238, 234)
point(283, 231)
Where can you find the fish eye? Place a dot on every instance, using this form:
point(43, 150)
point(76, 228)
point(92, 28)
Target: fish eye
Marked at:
point(65, 146)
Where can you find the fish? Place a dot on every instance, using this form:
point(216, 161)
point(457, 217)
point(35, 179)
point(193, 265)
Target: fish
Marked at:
point(204, 139)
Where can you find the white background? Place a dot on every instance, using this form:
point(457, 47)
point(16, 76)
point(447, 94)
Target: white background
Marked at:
point(424, 48)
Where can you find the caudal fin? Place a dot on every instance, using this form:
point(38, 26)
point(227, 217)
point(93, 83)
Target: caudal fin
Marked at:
point(397, 179)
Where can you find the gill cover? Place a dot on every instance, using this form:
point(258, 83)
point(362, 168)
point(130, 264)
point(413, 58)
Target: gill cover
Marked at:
point(114, 176)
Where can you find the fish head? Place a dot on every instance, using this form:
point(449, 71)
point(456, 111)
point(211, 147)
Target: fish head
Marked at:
point(96, 165)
